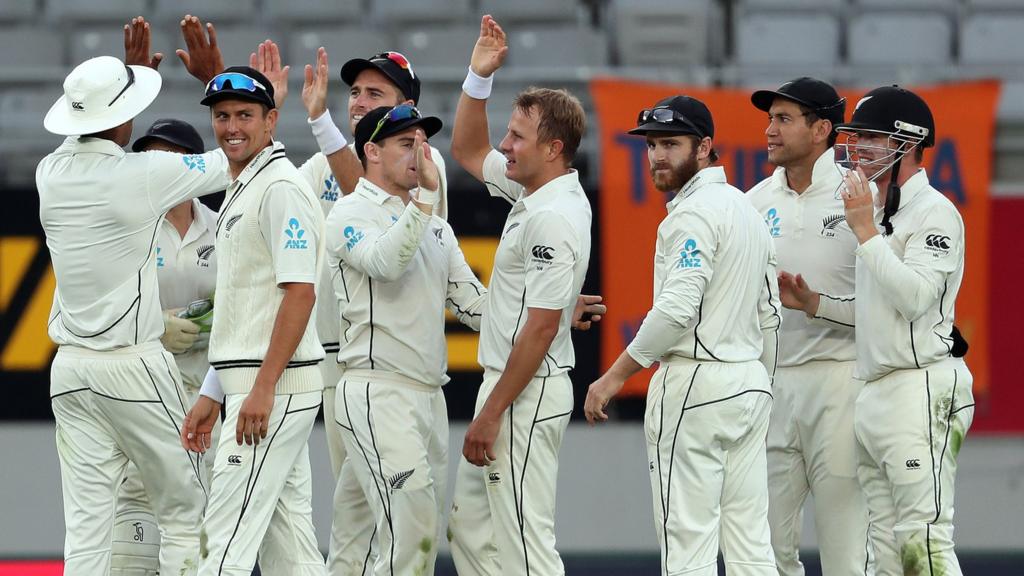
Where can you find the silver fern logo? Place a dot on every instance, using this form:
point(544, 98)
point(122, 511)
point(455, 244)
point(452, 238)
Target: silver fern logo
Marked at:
point(830, 223)
point(398, 480)
point(203, 254)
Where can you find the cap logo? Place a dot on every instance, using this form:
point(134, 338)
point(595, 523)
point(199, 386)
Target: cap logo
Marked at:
point(862, 101)
point(77, 106)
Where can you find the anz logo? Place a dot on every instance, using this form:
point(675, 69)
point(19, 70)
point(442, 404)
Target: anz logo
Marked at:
point(330, 192)
point(194, 162)
point(294, 232)
point(772, 220)
point(689, 257)
point(352, 236)
point(159, 258)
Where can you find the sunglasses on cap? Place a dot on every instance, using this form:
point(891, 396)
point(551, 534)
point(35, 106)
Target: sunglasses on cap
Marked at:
point(398, 58)
point(131, 80)
point(666, 116)
point(238, 81)
point(396, 114)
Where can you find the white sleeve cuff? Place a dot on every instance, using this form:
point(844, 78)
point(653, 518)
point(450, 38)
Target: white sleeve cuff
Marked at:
point(211, 386)
point(477, 87)
point(657, 334)
point(327, 135)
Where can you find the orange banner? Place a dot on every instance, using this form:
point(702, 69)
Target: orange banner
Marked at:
point(960, 166)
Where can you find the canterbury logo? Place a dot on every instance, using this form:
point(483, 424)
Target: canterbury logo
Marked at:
point(913, 464)
point(937, 241)
point(77, 106)
point(235, 460)
point(543, 252)
point(398, 480)
point(493, 477)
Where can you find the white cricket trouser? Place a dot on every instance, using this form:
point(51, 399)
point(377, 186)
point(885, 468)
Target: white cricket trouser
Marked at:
point(118, 406)
point(812, 450)
point(352, 525)
point(705, 424)
point(136, 545)
point(503, 515)
point(910, 426)
point(261, 491)
point(396, 433)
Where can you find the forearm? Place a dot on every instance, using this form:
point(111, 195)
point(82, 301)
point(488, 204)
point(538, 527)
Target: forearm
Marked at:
point(390, 253)
point(470, 136)
point(346, 168)
point(910, 291)
point(523, 362)
point(656, 335)
point(289, 326)
point(834, 310)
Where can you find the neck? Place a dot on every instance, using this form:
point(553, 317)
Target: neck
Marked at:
point(543, 178)
point(181, 217)
point(907, 170)
point(236, 167)
point(798, 174)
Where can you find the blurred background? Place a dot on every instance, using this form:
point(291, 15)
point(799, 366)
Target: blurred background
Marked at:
point(617, 56)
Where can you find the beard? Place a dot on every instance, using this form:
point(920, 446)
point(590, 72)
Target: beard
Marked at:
point(678, 176)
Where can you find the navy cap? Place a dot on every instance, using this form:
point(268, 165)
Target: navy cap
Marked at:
point(240, 83)
point(392, 64)
point(411, 117)
point(677, 114)
point(819, 96)
point(172, 131)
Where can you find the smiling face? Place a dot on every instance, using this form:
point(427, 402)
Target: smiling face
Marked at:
point(673, 159)
point(242, 129)
point(371, 89)
point(524, 153)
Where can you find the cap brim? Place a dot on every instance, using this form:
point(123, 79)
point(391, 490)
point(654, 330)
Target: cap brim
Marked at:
point(643, 129)
point(60, 119)
point(353, 67)
point(763, 99)
point(430, 124)
point(233, 95)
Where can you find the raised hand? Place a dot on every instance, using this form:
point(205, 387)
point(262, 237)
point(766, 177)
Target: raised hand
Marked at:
point(426, 169)
point(203, 59)
point(314, 86)
point(859, 204)
point(137, 44)
point(491, 48)
point(267, 59)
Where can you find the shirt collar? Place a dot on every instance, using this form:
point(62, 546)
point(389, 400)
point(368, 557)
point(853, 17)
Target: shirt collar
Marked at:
point(96, 145)
point(375, 193)
point(709, 175)
point(547, 193)
point(275, 150)
point(824, 168)
point(913, 186)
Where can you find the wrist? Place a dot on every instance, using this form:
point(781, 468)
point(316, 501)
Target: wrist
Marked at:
point(328, 137)
point(811, 309)
point(476, 86)
point(427, 197)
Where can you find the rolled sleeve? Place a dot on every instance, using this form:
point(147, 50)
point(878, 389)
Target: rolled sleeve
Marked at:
point(551, 252)
point(291, 227)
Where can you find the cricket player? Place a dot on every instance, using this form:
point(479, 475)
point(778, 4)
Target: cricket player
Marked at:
point(269, 233)
point(811, 444)
point(396, 266)
point(115, 391)
point(916, 405)
point(186, 268)
point(502, 519)
point(713, 328)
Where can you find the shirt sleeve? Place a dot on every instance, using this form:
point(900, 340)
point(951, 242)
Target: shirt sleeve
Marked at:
point(380, 253)
point(466, 295)
point(291, 227)
point(691, 244)
point(497, 183)
point(318, 175)
point(933, 251)
point(768, 307)
point(835, 310)
point(174, 178)
point(551, 249)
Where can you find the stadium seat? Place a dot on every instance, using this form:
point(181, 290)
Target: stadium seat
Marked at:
point(120, 11)
point(342, 44)
point(439, 48)
point(109, 41)
point(826, 5)
point(546, 11)
point(404, 11)
point(987, 4)
point(310, 11)
point(790, 39)
point(900, 38)
point(665, 32)
point(45, 46)
point(15, 10)
point(557, 46)
point(992, 38)
point(216, 12)
point(238, 42)
point(947, 6)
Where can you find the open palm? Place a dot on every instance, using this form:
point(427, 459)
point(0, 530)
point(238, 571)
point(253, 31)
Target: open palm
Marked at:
point(490, 50)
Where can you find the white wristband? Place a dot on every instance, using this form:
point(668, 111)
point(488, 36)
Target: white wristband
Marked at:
point(211, 386)
point(327, 135)
point(428, 197)
point(477, 87)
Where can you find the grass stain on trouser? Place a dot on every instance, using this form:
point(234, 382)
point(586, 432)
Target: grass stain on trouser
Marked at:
point(425, 547)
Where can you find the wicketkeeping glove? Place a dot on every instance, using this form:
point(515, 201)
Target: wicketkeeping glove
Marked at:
point(179, 334)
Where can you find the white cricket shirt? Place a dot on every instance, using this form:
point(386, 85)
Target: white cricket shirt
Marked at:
point(394, 270)
point(186, 270)
point(715, 289)
point(101, 208)
point(811, 238)
point(541, 262)
point(907, 285)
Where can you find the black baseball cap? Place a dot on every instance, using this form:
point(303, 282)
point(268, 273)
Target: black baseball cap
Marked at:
point(819, 96)
point(887, 108)
point(390, 123)
point(172, 131)
point(392, 64)
point(240, 83)
point(685, 115)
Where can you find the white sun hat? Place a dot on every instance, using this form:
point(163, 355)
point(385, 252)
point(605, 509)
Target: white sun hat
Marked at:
point(102, 93)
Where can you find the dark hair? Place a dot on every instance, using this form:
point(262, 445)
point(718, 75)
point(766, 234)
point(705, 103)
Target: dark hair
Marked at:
point(561, 117)
point(918, 154)
point(695, 141)
point(810, 117)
